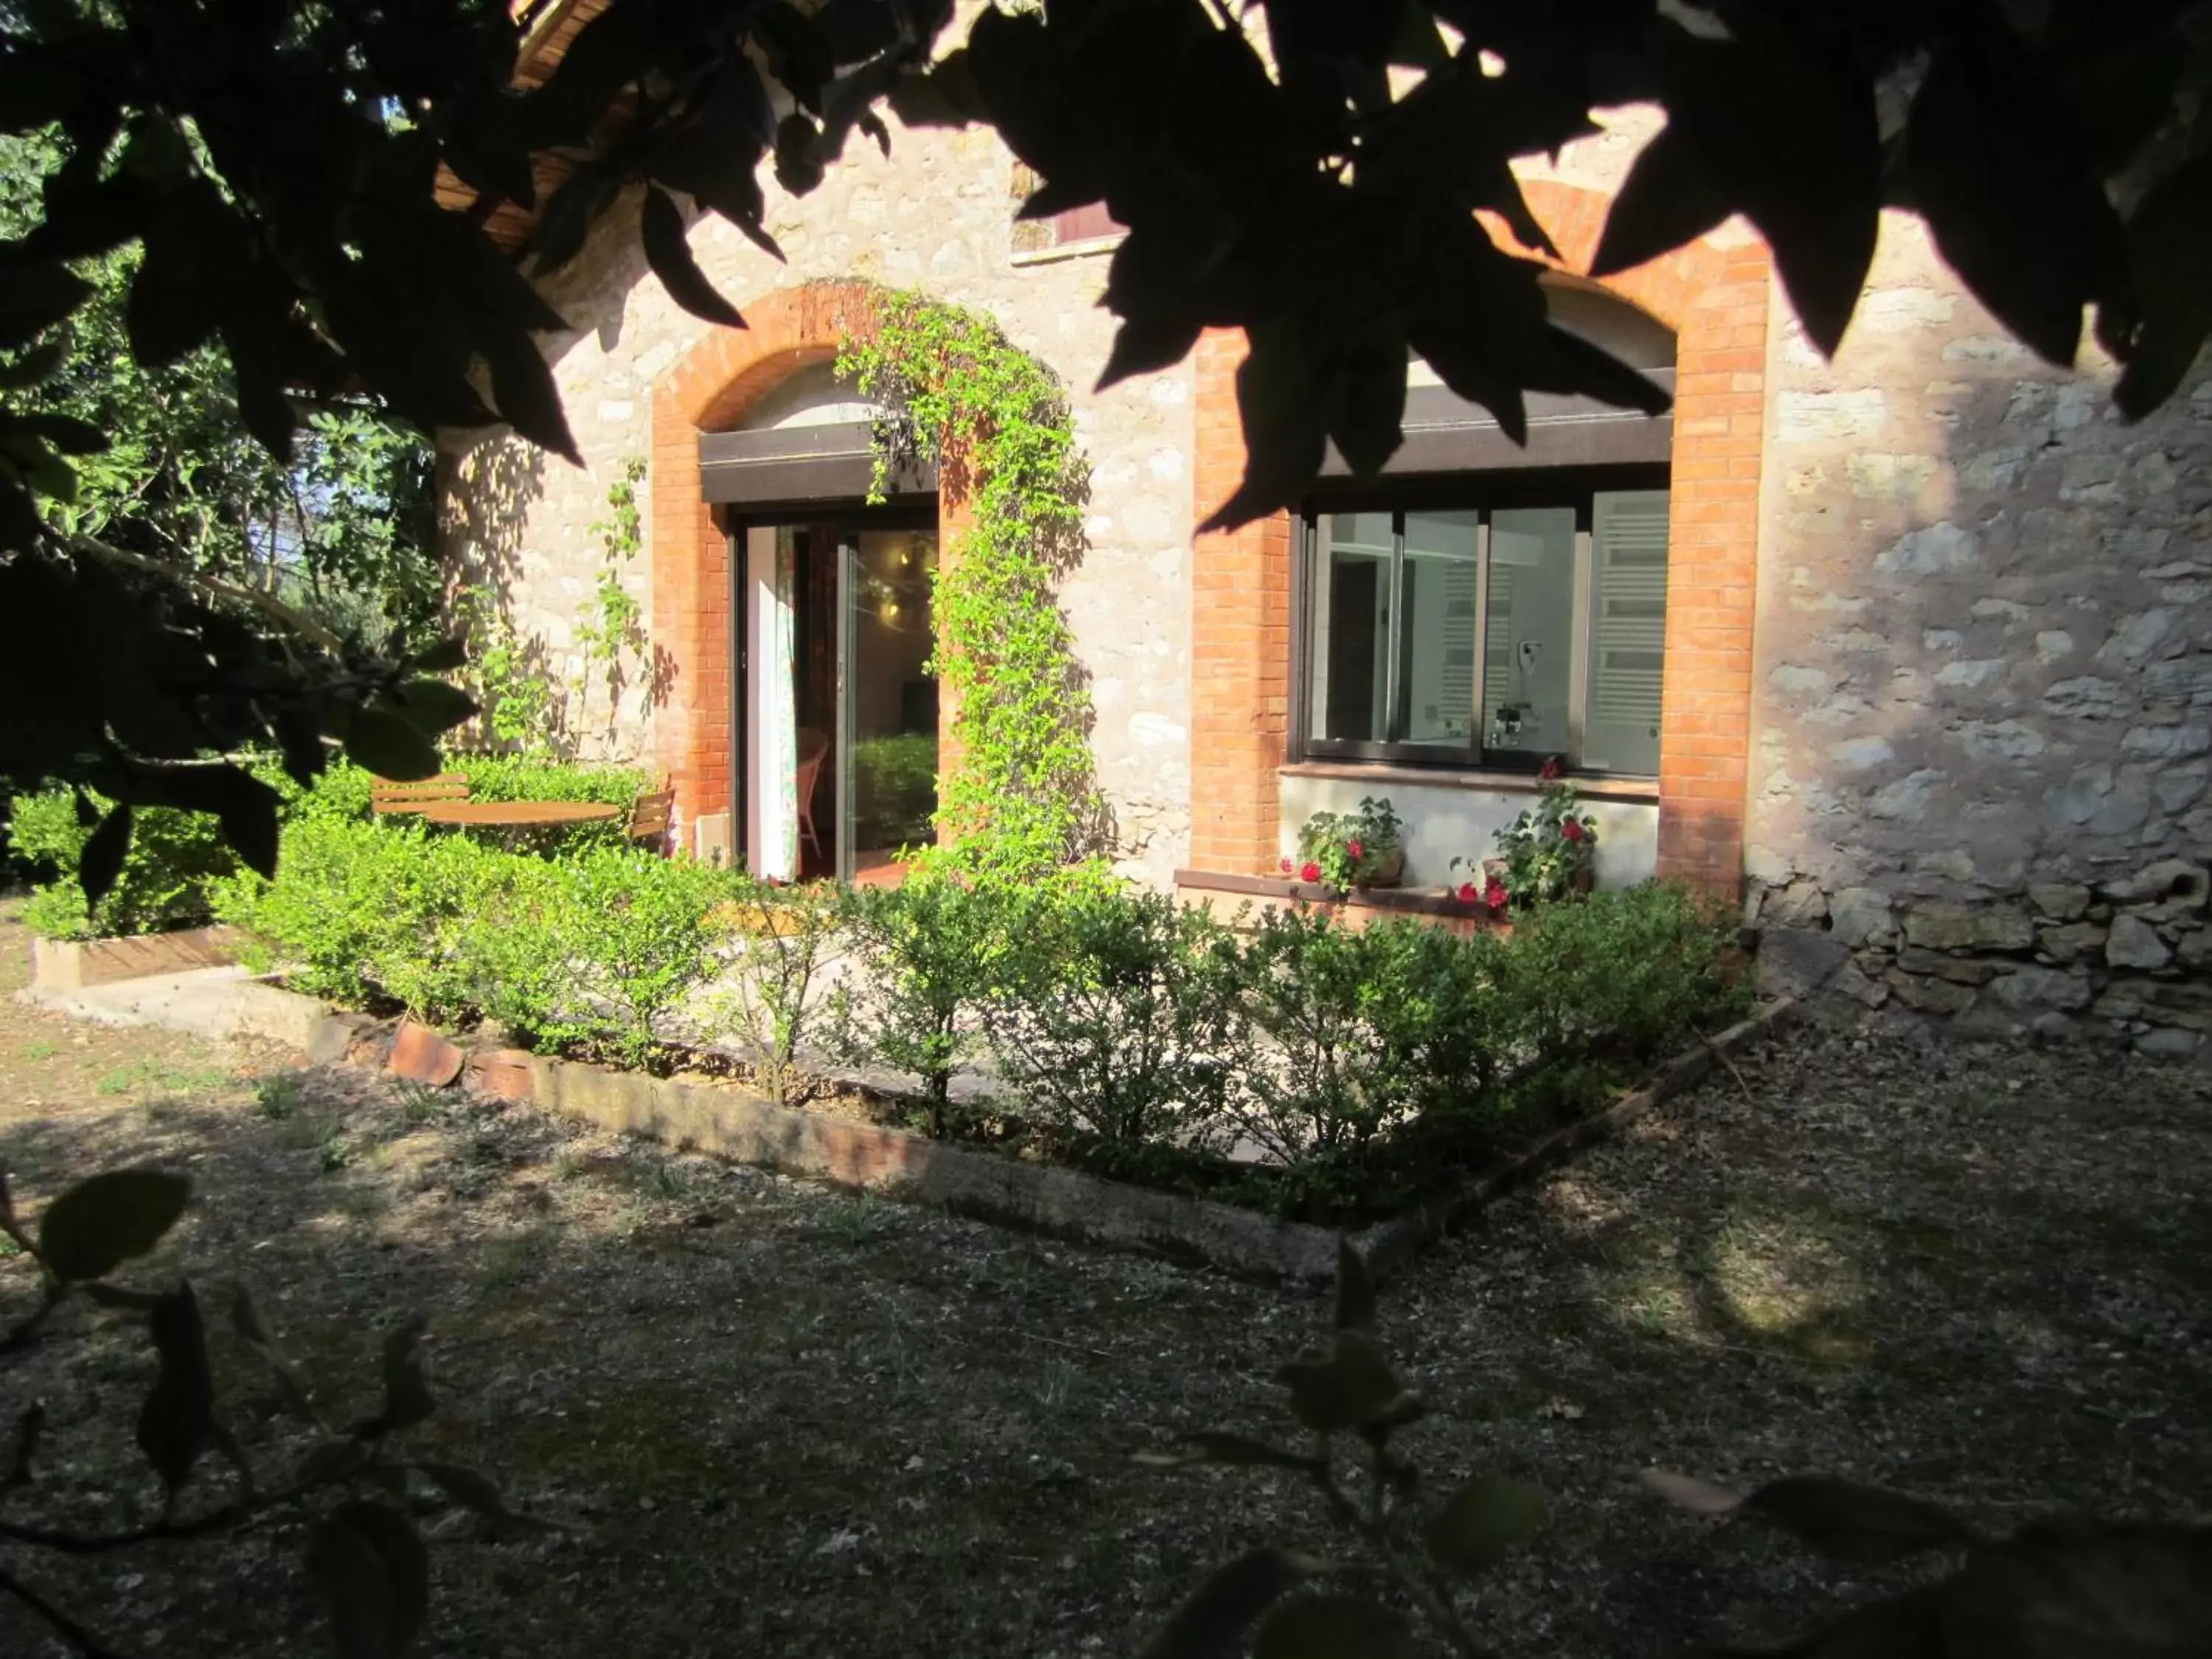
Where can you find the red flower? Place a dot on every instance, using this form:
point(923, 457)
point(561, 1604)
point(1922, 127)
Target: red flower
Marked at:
point(1284, 865)
point(1495, 895)
point(1466, 893)
point(1572, 829)
point(1311, 871)
point(1353, 848)
point(1548, 770)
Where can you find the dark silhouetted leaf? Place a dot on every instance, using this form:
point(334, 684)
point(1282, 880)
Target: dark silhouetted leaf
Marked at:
point(69, 434)
point(443, 657)
point(1213, 1622)
point(473, 1491)
point(390, 746)
point(1857, 1523)
point(1372, 405)
point(1233, 1450)
point(1285, 434)
point(101, 861)
point(407, 1394)
point(365, 1593)
point(2170, 264)
point(246, 1320)
point(1485, 1519)
point(1355, 1289)
point(1145, 345)
point(668, 250)
point(2059, 1590)
point(1349, 1387)
point(34, 295)
point(433, 705)
point(2010, 204)
point(34, 367)
point(100, 1223)
point(798, 163)
point(178, 1419)
point(1665, 203)
point(1334, 1627)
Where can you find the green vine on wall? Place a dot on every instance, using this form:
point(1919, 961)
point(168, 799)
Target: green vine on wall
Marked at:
point(612, 621)
point(1020, 796)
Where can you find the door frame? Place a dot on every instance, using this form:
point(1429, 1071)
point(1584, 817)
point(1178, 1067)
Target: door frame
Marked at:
point(843, 521)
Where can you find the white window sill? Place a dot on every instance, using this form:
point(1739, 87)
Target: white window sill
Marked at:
point(1591, 785)
point(1082, 250)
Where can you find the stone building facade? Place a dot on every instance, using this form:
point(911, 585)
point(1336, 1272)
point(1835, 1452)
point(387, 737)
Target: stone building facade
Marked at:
point(1938, 650)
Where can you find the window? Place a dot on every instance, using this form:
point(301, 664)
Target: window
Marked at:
point(1496, 634)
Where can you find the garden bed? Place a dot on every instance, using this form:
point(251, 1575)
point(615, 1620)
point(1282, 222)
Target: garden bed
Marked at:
point(725, 1119)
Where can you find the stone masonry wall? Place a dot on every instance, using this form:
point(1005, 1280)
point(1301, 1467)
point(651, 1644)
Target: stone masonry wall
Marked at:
point(936, 213)
point(1983, 692)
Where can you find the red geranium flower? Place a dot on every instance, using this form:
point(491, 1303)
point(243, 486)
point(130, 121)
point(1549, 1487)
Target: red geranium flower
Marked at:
point(1354, 848)
point(1311, 871)
point(1466, 893)
point(1495, 895)
point(1284, 865)
point(1572, 829)
point(1549, 769)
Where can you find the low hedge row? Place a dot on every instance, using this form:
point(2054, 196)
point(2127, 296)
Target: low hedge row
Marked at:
point(176, 856)
point(1118, 1029)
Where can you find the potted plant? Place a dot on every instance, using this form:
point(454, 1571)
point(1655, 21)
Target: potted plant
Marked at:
point(1547, 853)
point(1344, 850)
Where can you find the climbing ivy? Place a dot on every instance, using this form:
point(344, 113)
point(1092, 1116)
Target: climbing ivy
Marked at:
point(1020, 796)
point(612, 621)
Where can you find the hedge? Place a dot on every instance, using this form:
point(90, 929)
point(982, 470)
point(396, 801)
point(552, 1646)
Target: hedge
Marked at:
point(175, 856)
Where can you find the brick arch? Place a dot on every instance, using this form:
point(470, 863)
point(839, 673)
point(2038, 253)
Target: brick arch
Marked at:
point(1714, 295)
point(708, 389)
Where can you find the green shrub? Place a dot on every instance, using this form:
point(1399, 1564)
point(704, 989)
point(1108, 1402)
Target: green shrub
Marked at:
point(1367, 1028)
point(929, 956)
point(635, 935)
point(1628, 972)
point(173, 855)
point(780, 946)
point(1120, 1015)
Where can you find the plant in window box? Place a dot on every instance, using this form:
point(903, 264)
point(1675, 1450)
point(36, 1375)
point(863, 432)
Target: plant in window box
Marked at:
point(1344, 850)
point(1547, 853)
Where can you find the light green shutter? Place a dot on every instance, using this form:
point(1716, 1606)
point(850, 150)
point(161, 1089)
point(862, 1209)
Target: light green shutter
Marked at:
point(1628, 630)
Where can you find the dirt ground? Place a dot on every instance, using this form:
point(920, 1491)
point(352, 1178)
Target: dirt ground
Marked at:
point(781, 1421)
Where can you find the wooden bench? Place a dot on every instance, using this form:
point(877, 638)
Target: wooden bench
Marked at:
point(387, 796)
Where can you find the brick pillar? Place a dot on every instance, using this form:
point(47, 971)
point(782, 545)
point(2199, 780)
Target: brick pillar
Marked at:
point(1240, 643)
point(1720, 420)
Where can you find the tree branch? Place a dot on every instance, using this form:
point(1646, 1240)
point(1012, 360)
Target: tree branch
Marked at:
point(268, 604)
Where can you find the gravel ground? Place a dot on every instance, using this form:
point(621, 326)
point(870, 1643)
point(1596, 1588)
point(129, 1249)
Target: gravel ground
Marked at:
point(779, 1420)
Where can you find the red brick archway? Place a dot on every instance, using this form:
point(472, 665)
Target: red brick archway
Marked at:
point(710, 390)
point(1715, 297)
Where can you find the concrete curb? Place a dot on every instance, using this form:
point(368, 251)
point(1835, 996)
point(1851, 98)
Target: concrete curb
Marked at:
point(738, 1124)
point(72, 964)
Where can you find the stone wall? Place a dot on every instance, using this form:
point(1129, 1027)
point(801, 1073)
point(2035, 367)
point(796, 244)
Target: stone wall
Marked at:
point(1983, 697)
point(935, 214)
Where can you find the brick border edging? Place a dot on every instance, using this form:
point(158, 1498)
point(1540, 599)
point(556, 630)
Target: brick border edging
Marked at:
point(745, 1127)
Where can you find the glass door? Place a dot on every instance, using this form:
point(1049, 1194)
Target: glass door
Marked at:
point(886, 746)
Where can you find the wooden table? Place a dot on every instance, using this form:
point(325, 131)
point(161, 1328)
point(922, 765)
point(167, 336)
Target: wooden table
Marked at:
point(518, 814)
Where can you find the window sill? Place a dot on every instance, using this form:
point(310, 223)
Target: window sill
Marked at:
point(1059, 251)
point(1591, 786)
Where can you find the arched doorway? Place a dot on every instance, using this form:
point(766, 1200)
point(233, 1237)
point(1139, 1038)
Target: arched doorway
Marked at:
point(801, 732)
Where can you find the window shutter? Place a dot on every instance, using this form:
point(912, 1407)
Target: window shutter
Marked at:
point(1497, 675)
point(1628, 630)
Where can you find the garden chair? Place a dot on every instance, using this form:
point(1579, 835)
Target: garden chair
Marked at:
point(387, 796)
point(813, 747)
point(652, 815)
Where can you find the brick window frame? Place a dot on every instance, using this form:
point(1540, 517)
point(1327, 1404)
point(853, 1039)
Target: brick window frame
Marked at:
point(709, 389)
point(1715, 294)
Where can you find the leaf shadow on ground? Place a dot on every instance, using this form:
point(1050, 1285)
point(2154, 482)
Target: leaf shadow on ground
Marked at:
point(787, 1420)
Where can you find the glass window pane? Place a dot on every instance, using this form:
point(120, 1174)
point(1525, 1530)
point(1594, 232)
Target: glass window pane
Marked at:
point(1628, 630)
point(1529, 634)
point(1436, 664)
point(894, 707)
point(1348, 625)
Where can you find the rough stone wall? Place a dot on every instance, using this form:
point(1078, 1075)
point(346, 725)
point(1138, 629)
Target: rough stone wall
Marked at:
point(936, 213)
point(1983, 694)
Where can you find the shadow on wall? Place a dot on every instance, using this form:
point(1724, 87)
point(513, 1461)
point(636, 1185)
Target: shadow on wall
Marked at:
point(1984, 662)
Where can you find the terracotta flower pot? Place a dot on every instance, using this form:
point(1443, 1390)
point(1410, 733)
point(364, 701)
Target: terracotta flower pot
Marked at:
point(1385, 870)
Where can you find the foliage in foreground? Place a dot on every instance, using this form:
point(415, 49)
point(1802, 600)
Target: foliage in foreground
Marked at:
point(1401, 1580)
point(356, 1487)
